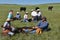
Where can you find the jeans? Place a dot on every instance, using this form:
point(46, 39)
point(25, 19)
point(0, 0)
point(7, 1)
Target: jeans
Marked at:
point(33, 31)
point(35, 18)
point(25, 20)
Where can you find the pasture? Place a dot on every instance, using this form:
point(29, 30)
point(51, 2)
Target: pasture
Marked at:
point(53, 18)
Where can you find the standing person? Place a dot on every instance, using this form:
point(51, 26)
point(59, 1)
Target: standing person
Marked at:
point(39, 14)
point(10, 15)
point(26, 17)
point(18, 16)
point(33, 14)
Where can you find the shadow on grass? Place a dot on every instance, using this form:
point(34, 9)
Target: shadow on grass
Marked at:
point(49, 29)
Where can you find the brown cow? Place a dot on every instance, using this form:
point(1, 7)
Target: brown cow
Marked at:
point(22, 8)
point(50, 8)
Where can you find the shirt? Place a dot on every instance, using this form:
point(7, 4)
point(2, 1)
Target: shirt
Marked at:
point(10, 15)
point(17, 16)
point(25, 16)
point(34, 13)
point(43, 24)
point(6, 24)
point(39, 14)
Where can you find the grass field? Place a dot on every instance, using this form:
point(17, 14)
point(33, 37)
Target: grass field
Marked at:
point(52, 16)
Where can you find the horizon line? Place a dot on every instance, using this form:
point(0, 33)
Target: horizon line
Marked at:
point(30, 4)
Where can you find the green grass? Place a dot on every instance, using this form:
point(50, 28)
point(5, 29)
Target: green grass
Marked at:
point(52, 16)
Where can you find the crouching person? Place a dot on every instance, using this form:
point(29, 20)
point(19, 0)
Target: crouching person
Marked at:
point(26, 17)
point(18, 16)
point(7, 29)
point(10, 15)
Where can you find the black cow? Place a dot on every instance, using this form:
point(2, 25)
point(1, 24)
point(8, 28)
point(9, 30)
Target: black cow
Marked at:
point(37, 8)
point(50, 8)
point(22, 8)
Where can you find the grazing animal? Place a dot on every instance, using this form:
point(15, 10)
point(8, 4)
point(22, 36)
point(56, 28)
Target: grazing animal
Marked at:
point(50, 8)
point(22, 8)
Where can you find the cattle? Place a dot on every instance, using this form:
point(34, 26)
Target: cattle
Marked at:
point(22, 8)
point(50, 8)
point(37, 8)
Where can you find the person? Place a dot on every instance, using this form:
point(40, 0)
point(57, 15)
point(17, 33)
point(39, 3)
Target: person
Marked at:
point(39, 14)
point(7, 28)
point(32, 30)
point(43, 24)
point(26, 17)
point(34, 14)
point(7, 25)
point(18, 16)
point(10, 15)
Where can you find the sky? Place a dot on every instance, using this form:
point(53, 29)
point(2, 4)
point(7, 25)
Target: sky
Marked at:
point(24, 2)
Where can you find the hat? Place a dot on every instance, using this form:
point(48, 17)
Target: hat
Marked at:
point(38, 9)
point(8, 19)
point(27, 12)
point(17, 12)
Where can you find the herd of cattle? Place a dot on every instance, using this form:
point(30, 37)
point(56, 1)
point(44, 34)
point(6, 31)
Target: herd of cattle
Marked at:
point(24, 8)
